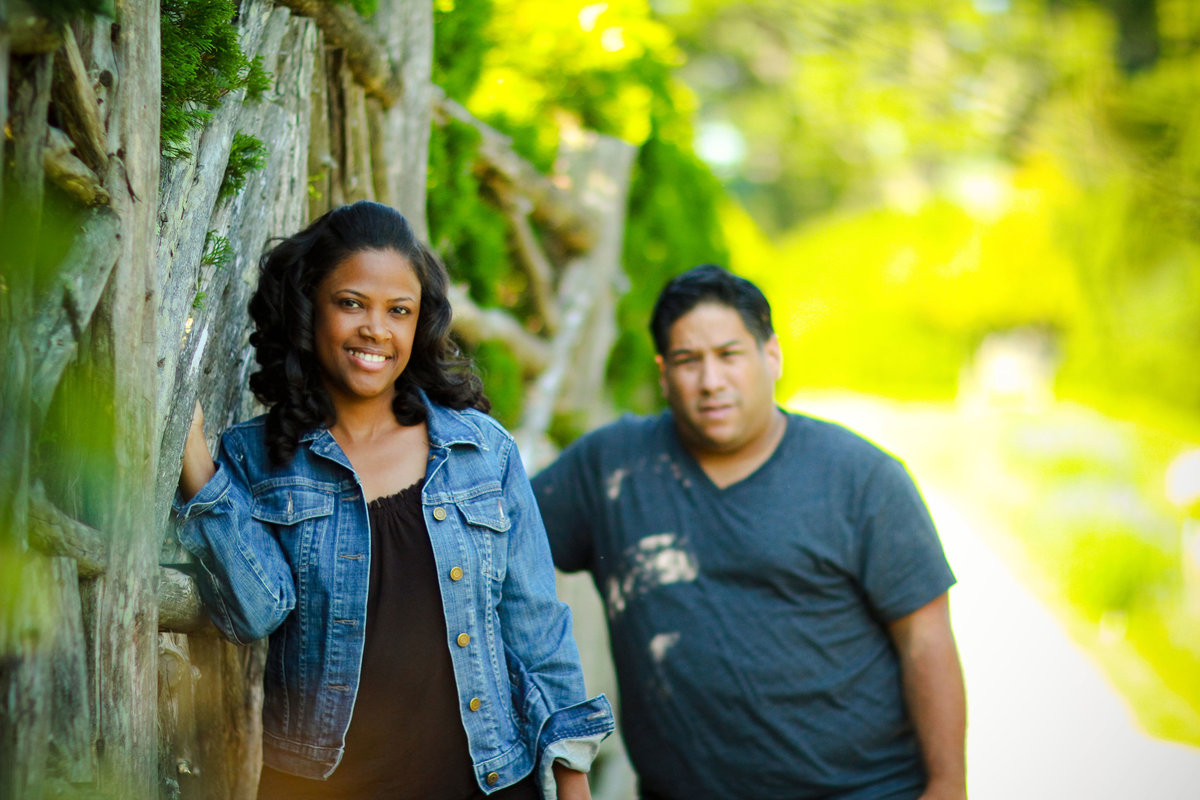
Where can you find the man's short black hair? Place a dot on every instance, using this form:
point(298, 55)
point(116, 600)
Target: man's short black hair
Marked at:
point(709, 283)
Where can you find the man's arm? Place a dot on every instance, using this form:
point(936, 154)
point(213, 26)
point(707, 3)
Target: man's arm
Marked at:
point(933, 689)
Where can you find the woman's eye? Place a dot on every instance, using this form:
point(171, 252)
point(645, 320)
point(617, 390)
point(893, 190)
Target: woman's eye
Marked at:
point(400, 310)
point(347, 302)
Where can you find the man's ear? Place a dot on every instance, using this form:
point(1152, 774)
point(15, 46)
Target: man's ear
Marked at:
point(662, 374)
point(774, 355)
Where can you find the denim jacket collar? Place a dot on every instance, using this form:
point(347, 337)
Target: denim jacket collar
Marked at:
point(446, 427)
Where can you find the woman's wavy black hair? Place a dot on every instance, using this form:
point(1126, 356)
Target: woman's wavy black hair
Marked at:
point(289, 379)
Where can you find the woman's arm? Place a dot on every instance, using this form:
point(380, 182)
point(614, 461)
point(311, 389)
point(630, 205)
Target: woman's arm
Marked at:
point(572, 784)
point(536, 627)
point(198, 466)
point(246, 583)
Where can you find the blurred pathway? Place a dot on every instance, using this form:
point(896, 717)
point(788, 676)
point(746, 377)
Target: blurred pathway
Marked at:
point(1044, 722)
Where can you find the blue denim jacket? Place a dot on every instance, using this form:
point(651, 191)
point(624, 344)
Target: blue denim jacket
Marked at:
point(285, 553)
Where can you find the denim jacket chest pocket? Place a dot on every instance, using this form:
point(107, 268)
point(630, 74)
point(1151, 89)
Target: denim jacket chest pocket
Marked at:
point(295, 507)
point(488, 525)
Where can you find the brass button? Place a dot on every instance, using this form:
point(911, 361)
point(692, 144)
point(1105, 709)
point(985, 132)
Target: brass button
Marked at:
point(493, 778)
point(475, 704)
point(456, 573)
point(439, 513)
point(464, 639)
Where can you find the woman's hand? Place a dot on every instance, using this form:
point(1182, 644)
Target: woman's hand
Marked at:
point(198, 465)
point(572, 784)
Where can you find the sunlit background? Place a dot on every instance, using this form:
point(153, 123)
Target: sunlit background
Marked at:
point(979, 226)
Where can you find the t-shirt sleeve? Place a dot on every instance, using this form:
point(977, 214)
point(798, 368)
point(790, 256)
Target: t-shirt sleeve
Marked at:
point(563, 498)
point(902, 564)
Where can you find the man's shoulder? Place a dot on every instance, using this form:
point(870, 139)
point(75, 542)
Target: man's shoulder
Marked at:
point(833, 441)
point(630, 424)
point(627, 432)
point(616, 442)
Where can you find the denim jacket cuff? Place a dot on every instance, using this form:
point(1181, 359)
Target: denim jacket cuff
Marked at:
point(576, 754)
point(208, 496)
point(573, 735)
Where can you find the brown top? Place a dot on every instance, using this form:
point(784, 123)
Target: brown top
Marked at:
point(406, 740)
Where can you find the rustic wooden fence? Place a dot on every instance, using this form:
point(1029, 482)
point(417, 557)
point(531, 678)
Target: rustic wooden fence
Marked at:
point(122, 300)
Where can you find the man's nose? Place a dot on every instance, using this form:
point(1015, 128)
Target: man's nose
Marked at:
point(711, 376)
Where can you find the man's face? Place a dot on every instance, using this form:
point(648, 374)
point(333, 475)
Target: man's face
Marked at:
point(718, 381)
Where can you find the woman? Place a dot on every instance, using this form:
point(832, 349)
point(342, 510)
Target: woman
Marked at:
point(378, 526)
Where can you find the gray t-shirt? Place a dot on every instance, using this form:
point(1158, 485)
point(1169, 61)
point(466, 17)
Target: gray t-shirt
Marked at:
point(748, 624)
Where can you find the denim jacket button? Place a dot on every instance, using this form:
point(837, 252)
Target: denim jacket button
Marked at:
point(493, 778)
point(439, 513)
point(456, 573)
point(463, 639)
point(475, 704)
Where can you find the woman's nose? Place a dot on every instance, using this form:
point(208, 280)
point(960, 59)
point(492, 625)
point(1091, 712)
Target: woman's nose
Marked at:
point(373, 328)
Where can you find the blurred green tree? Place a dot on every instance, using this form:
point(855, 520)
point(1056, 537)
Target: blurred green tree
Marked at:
point(932, 172)
point(533, 69)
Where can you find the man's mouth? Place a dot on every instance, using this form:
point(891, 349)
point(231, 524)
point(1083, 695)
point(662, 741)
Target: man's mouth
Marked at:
point(715, 410)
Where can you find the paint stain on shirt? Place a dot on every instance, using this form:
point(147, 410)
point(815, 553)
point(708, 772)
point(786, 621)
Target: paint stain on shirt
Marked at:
point(656, 560)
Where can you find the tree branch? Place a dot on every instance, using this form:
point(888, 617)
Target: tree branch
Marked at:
point(531, 256)
point(76, 104)
point(69, 173)
point(67, 308)
point(554, 206)
point(180, 609)
point(55, 533)
point(345, 29)
point(475, 324)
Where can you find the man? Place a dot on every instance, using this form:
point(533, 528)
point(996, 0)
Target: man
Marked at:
point(774, 586)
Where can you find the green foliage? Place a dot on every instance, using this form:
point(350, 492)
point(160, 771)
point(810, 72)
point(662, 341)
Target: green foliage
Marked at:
point(1106, 571)
point(469, 233)
point(501, 373)
point(246, 154)
point(1085, 501)
point(62, 10)
point(202, 61)
point(533, 69)
point(258, 80)
point(462, 41)
point(931, 172)
point(218, 252)
point(364, 8)
point(673, 225)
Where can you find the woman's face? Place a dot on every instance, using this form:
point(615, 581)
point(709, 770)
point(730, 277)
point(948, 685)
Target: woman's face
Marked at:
point(366, 318)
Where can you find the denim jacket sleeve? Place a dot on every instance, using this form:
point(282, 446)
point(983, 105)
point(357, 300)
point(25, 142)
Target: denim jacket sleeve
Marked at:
point(245, 581)
point(546, 675)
